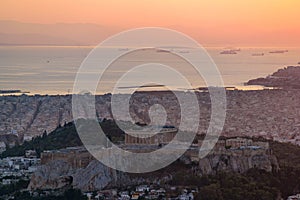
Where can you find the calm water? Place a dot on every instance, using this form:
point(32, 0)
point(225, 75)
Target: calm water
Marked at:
point(52, 70)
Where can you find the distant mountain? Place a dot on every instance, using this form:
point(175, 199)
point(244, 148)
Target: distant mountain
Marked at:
point(19, 33)
point(33, 39)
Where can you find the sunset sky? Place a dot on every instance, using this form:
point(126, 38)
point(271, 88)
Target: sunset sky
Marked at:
point(212, 21)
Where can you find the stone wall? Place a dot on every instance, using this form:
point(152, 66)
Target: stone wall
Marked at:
point(76, 157)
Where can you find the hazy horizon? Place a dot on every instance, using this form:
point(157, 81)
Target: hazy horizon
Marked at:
point(211, 23)
point(89, 34)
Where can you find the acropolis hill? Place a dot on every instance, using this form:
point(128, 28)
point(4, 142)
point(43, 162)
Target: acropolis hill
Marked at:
point(272, 114)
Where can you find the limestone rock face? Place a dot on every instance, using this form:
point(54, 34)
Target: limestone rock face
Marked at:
point(237, 162)
point(58, 174)
point(51, 176)
point(94, 177)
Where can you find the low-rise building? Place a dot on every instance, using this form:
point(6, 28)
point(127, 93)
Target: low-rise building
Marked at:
point(30, 154)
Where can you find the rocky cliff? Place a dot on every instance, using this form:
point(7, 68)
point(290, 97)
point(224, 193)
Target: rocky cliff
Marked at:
point(54, 175)
point(237, 161)
point(60, 174)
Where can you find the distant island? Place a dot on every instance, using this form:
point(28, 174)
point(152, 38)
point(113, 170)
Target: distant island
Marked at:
point(288, 77)
point(11, 91)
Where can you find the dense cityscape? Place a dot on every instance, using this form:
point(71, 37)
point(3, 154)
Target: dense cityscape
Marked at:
point(149, 100)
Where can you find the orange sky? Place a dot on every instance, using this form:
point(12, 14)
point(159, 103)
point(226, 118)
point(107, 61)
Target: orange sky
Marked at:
point(240, 19)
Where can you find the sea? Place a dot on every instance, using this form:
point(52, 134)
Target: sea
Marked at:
point(52, 69)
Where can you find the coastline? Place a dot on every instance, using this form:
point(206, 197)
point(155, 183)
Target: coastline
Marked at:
point(55, 93)
point(287, 77)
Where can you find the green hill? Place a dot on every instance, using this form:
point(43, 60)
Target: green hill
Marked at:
point(62, 137)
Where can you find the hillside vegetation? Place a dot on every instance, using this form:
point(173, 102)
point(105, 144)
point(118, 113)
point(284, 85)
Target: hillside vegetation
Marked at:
point(62, 137)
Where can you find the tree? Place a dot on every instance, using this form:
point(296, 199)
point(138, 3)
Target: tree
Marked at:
point(210, 192)
point(74, 194)
point(44, 134)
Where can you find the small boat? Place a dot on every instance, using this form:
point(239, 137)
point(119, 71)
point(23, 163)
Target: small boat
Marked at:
point(237, 49)
point(232, 48)
point(184, 51)
point(258, 54)
point(279, 51)
point(162, 51)
point(228, 52)
point(123, 49)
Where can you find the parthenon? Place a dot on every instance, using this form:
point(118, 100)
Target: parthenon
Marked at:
point(146, 138)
